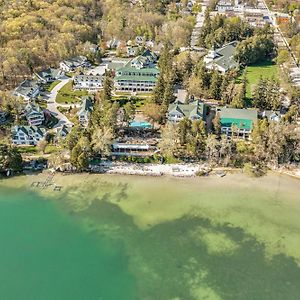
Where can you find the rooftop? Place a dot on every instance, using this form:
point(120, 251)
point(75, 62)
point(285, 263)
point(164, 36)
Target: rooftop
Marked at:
point(242, 118)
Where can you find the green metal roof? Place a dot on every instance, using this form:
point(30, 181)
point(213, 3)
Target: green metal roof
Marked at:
point(136, 78)
point(154, 71)
point(242, 118)
point(240, 123)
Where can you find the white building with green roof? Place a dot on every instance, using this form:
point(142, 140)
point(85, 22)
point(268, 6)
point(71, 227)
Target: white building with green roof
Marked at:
point(194, 111)
point(237, 121)
point(138, 75)
point(27, 135)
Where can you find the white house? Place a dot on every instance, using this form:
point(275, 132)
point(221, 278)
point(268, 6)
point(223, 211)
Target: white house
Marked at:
point(88, 82)
point(49, 75)
point(71, 64)
point(271, 115)
point(147, 59)
point(221, 59)
point(27, 135)
point(85, 110)
point(195, 110)
point(28, 90)
point(113, 44)
point(139, 40)
point(132, 50)
point(34, 114)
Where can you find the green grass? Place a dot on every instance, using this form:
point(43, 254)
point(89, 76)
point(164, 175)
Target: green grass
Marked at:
point(137, 101)
point(51, 86)
point(68, 95)
point(28, 149)
point(50, 148)
point(254, 72)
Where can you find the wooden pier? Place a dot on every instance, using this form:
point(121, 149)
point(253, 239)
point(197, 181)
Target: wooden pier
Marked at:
point(47, 183)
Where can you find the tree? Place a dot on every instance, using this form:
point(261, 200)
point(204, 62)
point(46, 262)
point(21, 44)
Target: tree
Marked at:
point(212, 148)
point(107, 87)
point(168, 96)
point(259, 93)
point(197, 141)
point(102, 139)
point(42, 145)
point(129, 112)
point(239, 100)
point(159, 90)
point(79, 158)
point(282, 57)
point(73, 137)
point(215, 85)
point(217, 125)
point(169, 140)
point(254, 49)
point(82, 162)
point(154, 113)
point(10, 159)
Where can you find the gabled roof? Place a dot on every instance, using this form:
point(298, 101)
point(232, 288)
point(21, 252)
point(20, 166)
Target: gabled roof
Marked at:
point(86, 105)
point(88, 78)
point(27, 87)
point(48, 73)
point(26, 130)
point(147, 58)
point(242, 118)
point(189, 110)
point(32, 107)
point(224, 56)
point(75, 61)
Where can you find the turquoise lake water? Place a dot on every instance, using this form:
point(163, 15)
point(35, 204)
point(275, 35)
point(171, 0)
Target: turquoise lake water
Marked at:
point(113, 237)
point(44, 254)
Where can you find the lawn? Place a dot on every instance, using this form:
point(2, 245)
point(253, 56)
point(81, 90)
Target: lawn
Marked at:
point(50, 148)
point(254, 72)
point(68, 95)
point(136, 100)
point(28, 149)
point(51, 86)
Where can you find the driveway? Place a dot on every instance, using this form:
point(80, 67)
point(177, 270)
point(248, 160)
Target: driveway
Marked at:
point(52, 105)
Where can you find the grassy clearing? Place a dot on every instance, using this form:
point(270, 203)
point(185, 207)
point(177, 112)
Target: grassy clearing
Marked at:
point(28, 149)
point(50, 86)
point(137, 101)
point(68, 95)
point(254, 72)
point(50, 148)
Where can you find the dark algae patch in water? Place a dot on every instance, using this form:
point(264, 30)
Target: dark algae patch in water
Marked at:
point(190, 258)
point(170, 239)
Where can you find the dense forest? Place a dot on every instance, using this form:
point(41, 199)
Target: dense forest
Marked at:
point(284, 5)
point(39, 33)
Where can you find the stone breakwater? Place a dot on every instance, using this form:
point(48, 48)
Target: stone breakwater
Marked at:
point(177, 170)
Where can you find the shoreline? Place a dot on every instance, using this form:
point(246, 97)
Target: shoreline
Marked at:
point(180, 170)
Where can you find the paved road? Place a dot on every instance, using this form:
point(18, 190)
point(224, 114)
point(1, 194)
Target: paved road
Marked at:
point(52, 105)
point(199, 23)
point(295, 68)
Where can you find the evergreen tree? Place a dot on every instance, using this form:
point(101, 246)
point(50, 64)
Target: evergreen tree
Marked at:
point(215, 85)
point(239, 100)
point(159, 90)
point(107, 87)
point(259, 94)
point(217, 125)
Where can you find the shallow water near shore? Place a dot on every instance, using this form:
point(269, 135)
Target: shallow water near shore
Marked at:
point(117, 237)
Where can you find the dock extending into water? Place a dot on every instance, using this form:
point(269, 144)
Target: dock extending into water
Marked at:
point(47, 183)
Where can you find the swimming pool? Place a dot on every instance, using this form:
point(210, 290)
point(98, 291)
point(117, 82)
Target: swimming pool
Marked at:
point(144, 125)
